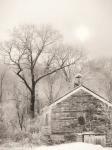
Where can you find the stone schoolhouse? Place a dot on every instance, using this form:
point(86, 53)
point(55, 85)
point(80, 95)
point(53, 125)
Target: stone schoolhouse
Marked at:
point(80, 115)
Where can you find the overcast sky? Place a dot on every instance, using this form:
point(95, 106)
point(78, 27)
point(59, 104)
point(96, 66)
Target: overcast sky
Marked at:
point(91, 18)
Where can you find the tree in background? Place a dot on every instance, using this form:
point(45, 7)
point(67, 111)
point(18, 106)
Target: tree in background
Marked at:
point(98, 72)
point(62, 81)
point(3, 129)
point(35, 54)
point(2, 81)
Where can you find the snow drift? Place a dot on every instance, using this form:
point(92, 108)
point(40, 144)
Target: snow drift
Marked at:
point(72, 146)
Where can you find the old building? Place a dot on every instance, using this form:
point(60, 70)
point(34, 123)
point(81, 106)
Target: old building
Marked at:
point(80, 115)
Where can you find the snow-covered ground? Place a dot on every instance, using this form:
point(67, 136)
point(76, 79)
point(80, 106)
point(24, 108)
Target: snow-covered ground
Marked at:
point(71, 146)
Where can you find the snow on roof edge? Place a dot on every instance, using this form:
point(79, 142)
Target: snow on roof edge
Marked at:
point(76, 90)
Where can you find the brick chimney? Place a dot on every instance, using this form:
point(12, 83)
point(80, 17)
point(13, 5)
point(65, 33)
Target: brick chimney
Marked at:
point(77, 81)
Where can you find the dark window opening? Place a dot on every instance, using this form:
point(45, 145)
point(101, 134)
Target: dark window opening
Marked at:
point(81, 120)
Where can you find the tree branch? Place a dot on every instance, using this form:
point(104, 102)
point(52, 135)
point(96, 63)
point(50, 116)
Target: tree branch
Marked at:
point(63, 66)
point(24, 80)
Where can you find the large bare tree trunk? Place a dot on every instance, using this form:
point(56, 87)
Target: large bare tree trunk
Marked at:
point(32, 104)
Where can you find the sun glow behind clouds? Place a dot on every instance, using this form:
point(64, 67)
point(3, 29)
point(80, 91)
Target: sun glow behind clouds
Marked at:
point(82, 33)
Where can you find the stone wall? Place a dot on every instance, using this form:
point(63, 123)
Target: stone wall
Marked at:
point(80, 112)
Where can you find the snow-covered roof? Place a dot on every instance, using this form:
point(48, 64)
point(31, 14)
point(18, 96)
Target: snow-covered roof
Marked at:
point(77, 89)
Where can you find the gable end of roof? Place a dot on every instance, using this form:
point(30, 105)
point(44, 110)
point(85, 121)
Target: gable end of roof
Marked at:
point(81, 87)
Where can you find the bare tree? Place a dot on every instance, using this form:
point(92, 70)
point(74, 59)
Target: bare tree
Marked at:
point(21, 106)
point(105, 67)
point(101, 71)
point(2, 79)
point(53, 88)
point(1, 85)
point(32, 51)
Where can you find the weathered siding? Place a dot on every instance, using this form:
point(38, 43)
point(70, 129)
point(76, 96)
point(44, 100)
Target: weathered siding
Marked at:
point(65, 115)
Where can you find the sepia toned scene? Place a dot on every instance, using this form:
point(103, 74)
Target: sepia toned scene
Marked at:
point(55, 75)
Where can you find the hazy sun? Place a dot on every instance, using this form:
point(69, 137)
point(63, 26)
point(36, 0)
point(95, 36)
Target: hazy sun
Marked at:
point(82, 33)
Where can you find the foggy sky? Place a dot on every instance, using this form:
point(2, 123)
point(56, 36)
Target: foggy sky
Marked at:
point(66, 16)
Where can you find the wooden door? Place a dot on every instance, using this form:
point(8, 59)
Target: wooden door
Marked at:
point(95, 139)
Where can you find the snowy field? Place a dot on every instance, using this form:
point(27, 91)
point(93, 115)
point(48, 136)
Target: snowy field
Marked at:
point(73, 146)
